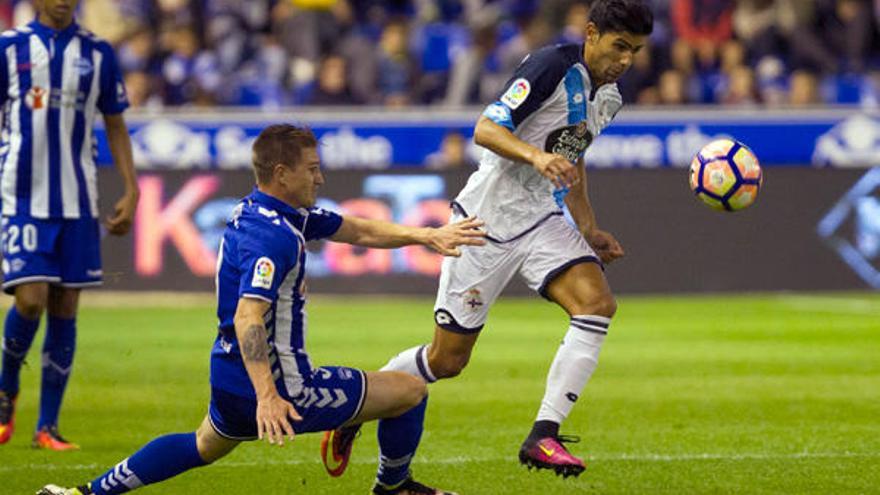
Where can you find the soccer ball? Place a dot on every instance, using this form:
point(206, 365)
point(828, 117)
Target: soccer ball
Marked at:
point(726, 175)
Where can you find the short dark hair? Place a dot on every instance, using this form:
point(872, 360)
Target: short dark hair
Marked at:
point(280, 143)
point(622, 16)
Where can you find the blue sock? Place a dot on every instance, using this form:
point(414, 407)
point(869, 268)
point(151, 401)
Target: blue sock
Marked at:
point(57, 361)
point(18, 334)
point(158, 460)
point(398, 440)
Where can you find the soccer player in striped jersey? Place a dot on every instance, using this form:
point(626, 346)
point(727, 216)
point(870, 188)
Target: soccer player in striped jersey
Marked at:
point(263, 383)
point(535, 136)
point(54, 78)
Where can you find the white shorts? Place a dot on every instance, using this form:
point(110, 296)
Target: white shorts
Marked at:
point(470, 283)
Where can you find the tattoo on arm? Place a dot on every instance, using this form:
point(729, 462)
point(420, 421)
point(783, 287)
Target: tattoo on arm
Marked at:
point(253, 344)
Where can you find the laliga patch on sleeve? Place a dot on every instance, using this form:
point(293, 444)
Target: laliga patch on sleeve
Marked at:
point(517, 93)
point(263, 273)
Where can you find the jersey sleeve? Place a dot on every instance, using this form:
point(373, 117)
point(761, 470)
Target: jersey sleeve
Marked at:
point(321, 224)
point(113, 98)
point(266, 254)
point(531, 84)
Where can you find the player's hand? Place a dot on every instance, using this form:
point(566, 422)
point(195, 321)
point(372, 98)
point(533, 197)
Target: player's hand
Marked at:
point(446, 239)
point(555, 167)
point(273, 419)
point(605, 245)
point(123, 215)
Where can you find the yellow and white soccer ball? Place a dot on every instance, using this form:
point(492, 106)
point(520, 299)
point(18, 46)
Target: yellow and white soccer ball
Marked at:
point(726, 175)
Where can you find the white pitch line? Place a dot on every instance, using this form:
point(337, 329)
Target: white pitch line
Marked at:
point(465, 459)
point(818, 304)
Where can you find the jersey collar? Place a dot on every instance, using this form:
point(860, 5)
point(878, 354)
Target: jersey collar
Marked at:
point(276, 204)
point(46, 32)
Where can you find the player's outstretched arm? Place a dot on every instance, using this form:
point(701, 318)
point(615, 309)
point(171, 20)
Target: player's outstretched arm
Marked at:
point(273, 412)
point(120, 147)
point(378, 234)
point(500, 140)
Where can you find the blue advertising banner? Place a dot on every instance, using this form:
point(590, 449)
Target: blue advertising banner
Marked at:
point(377, 140)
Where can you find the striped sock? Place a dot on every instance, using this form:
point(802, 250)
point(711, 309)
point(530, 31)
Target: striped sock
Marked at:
point(413, 361)
point(58, 349)
point(573, 365)
point(158, 460)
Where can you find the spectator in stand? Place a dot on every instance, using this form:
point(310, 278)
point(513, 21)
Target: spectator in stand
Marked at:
point(471, 78)
point(741, 88)
point(453, 153)
point(397, 69)
point(331, 86)
point(837, 39)
point(704, 25)
point(804, 89)
point(671, 89)
point(575, 28)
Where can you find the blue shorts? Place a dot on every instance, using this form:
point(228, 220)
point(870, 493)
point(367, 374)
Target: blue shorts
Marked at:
point(333, 396)
point(58, 251)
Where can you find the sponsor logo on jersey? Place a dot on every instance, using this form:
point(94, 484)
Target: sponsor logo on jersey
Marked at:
point(263, 272)
point(570, 141)
point(517, 93)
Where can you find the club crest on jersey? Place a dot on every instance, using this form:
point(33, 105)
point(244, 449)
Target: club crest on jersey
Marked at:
point(83, 66)
point(36, 98)
point(263, 272)
point(517, 93)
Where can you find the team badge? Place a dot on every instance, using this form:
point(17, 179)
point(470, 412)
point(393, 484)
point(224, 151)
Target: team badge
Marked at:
point(83, 66)
point(263, 273)
point(36, 98)
point(474, 299)
point(517, 93)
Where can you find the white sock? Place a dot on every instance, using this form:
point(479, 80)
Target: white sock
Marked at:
point(573, 365)
point(413, 361)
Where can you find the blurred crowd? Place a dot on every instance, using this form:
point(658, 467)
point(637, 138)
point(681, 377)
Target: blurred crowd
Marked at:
point(273, 53)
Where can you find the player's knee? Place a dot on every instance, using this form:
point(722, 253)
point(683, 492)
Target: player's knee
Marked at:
point(415, 392)
point(602, 304)
point(30, 305)
point(449, 365)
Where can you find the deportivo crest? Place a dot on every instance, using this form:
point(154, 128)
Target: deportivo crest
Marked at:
point(263, 272)
point(474, 299)
point(517, 93)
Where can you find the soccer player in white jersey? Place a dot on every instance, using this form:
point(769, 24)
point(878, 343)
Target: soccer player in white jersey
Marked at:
point(54, 78)
point(262, 381)
point(558, 100)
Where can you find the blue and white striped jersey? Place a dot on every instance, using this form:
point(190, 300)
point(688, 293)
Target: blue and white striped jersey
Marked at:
point(262, 255)
point(551, 104)
point(51, 85)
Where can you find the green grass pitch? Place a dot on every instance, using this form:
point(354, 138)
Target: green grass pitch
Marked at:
point(694, 395)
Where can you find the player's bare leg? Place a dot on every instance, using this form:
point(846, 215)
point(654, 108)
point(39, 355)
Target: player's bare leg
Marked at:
point(20, 327)
point(583, 293)
point(58, 351)
point(449, 352)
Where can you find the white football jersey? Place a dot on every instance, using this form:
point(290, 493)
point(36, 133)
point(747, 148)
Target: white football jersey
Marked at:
point(549, 103)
